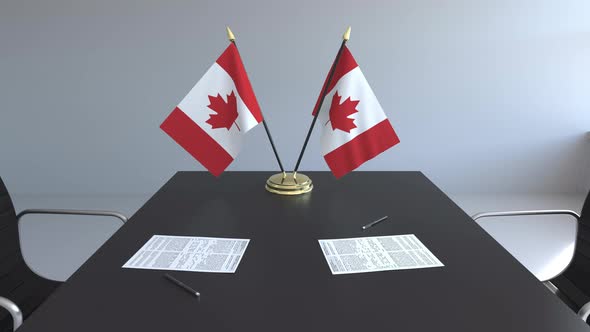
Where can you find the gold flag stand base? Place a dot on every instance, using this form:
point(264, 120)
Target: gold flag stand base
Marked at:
point(289, 184)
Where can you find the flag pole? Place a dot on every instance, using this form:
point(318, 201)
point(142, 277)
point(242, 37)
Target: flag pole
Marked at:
point(232, 39)
point(296, 184)
point(345, 38)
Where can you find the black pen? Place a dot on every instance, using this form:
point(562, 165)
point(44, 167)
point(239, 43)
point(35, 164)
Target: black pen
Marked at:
point(371, 224)
point(182, 285)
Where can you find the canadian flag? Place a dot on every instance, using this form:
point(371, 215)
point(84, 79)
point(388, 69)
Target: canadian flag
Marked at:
point(210, 122)
point(355, 128)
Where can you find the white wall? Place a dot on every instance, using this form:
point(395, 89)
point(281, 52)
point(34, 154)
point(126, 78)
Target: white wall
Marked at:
point(487, 96)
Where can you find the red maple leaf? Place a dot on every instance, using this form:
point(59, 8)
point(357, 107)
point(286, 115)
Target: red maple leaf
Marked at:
point(339, 113)
point(226, 112)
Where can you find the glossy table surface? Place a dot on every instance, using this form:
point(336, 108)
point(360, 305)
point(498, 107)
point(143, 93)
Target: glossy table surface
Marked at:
point(283, 282)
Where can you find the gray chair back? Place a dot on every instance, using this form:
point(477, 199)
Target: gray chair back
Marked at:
point(17, 282)
point(574, 283)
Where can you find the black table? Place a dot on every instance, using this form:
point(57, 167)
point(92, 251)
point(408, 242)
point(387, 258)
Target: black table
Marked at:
point(283, 282)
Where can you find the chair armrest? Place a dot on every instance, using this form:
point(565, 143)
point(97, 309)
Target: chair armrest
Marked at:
point(525, 213)
point(14, 310)
point(73, 212)
point(584, 311)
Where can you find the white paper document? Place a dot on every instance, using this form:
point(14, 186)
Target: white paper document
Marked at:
point(188, 253)
point(377, 253)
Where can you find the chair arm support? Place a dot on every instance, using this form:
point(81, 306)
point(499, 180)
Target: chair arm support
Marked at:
point(14, 310)
point(584, 311)
point(525, 213)
point(73, 212)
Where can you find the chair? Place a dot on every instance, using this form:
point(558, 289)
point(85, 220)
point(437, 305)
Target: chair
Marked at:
point(570, 277)
point(21, 290)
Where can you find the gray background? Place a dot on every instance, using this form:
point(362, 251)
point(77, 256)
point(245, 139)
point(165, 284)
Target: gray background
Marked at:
point(486, 96)
point(490, 99)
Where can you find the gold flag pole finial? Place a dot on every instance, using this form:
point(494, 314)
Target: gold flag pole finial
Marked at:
point(230, 35)
point(346, 35)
